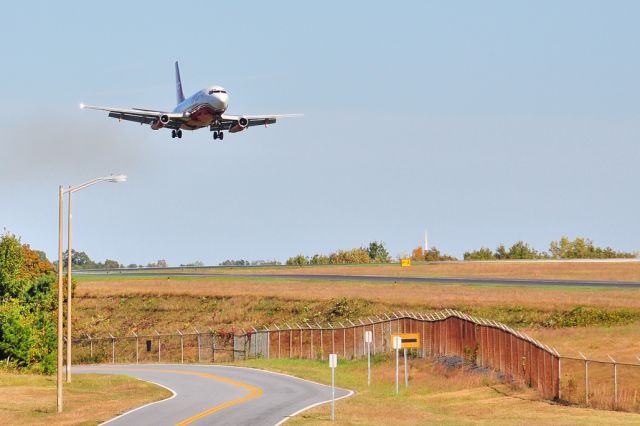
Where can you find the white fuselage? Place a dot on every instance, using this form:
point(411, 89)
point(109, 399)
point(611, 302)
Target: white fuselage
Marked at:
point(203, 107)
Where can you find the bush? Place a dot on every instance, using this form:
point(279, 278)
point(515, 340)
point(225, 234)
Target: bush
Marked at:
point(482, 254)
point(298, 260)
point(27, 307)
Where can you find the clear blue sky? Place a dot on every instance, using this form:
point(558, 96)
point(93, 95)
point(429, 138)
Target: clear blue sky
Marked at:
point(485, 122)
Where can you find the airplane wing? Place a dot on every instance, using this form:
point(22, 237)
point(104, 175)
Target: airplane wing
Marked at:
point(142, 116)
point(228, 121)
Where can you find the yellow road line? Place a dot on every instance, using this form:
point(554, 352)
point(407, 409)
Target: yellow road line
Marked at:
point(254, 392)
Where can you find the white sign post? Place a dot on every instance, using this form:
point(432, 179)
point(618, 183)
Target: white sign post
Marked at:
point(397, 343)
point(368, 338)
point(333, 363)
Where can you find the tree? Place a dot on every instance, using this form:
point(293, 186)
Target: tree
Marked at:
point(583, 248)
point(298, 260)
point(521, 250)
point(482, 254)
point(353, 256)
point(434, 255)
point(111, 264)
point(377, 252)
point(319, 259)
point(27, 306)
point(417, 253)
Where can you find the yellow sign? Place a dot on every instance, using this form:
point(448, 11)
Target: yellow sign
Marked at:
point(405, 262)
point(409, 340)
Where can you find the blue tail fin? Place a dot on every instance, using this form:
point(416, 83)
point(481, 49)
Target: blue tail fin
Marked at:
point(179, 93)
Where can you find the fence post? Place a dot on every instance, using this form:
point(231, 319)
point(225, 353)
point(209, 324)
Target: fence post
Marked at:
point(278, 339)
point(199, 345)
point(268, 340)
point(90, 347)
point(134, 333)
point(181, 347)
point(158, 344)
point(373, 334)
point(113, 349)
point(321, 343)
point(344, 341)
point(310, 341)
point(615, 382)
point(255, 343)
point(300, 328)
point(333, 339)
point(290, 339)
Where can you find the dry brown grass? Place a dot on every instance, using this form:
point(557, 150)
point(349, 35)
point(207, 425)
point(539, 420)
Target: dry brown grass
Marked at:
point(621, 342)
point(404, 294)
point(90, 399)
point(435, 396)
point(608, 271)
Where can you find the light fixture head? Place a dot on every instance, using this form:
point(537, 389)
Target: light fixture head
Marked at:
point(117, 178)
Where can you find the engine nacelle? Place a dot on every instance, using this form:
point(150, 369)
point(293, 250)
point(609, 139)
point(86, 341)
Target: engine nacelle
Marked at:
point(240, 125)
point(160, 122)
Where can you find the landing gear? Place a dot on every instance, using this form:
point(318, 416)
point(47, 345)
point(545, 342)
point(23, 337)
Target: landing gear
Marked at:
point(176, 134)
point(218, 135)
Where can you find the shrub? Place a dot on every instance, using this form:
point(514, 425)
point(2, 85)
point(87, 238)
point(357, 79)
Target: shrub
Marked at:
point(27, 306)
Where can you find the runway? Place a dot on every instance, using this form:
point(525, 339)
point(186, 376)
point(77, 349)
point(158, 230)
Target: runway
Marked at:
point(221, 395)
point(394, 279)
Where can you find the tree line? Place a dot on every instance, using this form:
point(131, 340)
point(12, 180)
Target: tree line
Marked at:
point(375, 252)
point(579, 248)
point(81, 260)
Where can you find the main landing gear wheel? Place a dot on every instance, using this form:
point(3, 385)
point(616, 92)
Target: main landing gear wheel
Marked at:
point(179, 134)
point(218, 135)
point(173, 134)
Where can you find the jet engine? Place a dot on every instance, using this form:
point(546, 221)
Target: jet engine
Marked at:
point(239, 125)
point(160, 122)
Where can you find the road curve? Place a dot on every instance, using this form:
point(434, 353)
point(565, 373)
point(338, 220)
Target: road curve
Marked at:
point(381, 278)
point(214, 394)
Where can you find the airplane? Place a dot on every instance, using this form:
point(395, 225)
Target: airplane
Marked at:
point(206, 107)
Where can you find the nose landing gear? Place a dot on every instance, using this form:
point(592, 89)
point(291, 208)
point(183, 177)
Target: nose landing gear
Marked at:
point(176, 134)
point(218, 135)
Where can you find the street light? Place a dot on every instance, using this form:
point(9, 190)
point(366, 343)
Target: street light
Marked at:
point(62, 191)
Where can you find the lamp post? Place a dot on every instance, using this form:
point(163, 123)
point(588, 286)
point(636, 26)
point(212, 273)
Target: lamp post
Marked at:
point(70, 190)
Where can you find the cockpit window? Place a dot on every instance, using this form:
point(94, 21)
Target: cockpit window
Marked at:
point(211, 92)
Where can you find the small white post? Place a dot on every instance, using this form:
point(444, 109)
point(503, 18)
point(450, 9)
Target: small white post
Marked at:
point(397, 342)
point(333, 363)
point(368, 338)
point(181, 347)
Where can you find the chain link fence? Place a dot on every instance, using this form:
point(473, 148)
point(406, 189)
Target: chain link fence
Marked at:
point(480, 342)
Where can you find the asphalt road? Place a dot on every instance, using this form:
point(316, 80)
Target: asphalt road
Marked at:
point(379, 278)
point(221, 395)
